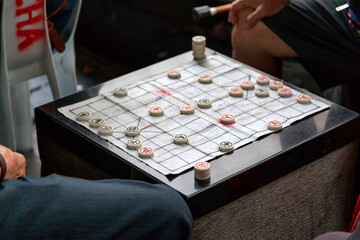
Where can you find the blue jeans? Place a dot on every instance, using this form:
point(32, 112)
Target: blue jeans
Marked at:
point(61, 19)
point(57, 207)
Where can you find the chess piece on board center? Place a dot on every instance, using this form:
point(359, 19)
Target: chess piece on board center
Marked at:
point(198, 47)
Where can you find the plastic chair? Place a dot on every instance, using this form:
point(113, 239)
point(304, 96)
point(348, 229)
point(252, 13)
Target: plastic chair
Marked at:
point(26, 53)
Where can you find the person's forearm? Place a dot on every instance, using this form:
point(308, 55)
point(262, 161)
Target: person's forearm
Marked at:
point(2, 168)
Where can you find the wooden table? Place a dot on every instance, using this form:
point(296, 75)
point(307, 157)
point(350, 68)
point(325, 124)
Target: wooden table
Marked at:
point(301, 182)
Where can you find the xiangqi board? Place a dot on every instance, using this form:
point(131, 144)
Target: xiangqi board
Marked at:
point(178, 100)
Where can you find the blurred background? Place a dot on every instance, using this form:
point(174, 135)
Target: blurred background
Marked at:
point(134, 34)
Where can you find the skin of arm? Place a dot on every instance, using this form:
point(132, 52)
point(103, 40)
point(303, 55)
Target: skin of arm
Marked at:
point(262, 8)
point(15, 163)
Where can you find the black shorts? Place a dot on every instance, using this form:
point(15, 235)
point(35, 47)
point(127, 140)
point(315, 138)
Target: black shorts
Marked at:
point(327, 45)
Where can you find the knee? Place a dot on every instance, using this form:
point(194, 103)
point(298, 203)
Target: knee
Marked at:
point(176, 214)
point(235, 43)
point(240, 37)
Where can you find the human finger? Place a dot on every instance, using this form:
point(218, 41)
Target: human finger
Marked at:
point(253, 18)
point(236, 7)
point(15, 163)
point(23, 174)
point(21, 164)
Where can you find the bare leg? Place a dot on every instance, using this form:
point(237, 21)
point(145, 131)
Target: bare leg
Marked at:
point(259, 47)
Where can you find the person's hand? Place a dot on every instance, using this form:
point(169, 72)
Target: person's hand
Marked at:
point(262, 8)
point(15, 163)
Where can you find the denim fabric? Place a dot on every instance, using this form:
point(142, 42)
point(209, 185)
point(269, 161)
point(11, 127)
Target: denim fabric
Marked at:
point(57, 207)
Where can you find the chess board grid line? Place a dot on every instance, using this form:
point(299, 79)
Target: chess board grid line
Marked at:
point(223, 86)
point(255, 116)
point(193, 146)
point(197, 148)
point(94, 101)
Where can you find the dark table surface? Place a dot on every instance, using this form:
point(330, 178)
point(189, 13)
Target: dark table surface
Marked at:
point(232, 175)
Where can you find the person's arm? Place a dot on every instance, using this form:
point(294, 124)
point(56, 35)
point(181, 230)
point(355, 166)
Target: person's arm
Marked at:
point(262, 8)
point(15, 163)
point(2, 168)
